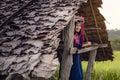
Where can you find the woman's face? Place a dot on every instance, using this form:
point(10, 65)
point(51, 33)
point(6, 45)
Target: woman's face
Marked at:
point(78, 27)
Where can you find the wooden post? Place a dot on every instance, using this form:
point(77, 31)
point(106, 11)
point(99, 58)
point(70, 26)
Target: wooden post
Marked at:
point(66, 62)
point(15, 76)
point(90, 64)
point(9, 77)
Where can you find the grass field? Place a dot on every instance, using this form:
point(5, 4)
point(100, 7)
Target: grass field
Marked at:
point(106, 70)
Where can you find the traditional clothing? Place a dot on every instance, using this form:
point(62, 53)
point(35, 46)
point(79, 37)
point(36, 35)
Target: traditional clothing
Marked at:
point(76, 70)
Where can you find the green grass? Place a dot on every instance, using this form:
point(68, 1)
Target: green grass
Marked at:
point(106, 70)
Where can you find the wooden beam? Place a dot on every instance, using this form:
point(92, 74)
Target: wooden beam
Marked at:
point(100, 45)
point(66, 62)
point(92, 28)
point(90, 64)
point(83, 50)
point(87, 49)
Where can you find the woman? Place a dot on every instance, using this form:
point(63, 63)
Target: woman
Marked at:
point(76, 70)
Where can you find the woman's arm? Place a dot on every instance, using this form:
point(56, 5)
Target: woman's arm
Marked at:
point(86, 44)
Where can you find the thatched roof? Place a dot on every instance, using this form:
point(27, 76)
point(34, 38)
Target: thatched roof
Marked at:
point(98, 35)
point(29, 39)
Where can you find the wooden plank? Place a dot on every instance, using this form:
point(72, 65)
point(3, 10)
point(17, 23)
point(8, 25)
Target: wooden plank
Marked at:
point(9, 77)
point(83, 50)
point(90, 64)
point(100, 45)
point(92, 28)
point(86, 49)
point(66, 62)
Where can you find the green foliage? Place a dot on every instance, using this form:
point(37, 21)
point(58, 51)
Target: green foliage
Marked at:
point(114, 37)
point(115, 44)
point(56, 75)
point(113, 34)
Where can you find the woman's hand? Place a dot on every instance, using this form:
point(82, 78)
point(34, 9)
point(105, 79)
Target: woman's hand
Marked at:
point(87, 44)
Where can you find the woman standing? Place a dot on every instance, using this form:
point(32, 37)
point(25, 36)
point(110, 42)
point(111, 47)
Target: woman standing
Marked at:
point(76, 70)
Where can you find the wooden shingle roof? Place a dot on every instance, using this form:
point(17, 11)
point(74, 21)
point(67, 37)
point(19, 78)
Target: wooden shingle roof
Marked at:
point(29, 37)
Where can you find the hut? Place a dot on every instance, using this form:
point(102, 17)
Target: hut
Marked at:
point(96, 32)
point(32, 32)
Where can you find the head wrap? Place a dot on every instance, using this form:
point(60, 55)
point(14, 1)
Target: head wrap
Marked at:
point(80, 19)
